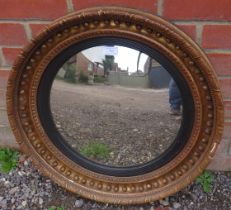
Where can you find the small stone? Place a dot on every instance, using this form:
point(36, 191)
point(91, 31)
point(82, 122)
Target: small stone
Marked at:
point(20, 173)
point(26, 163)
point(22, 158)
point(20, 207)
point(172, 199)
point(228, 173)
point(79, 203)
point(24, 203)
point(176, 205)
point(13, 190)
point(7, 183)
point(135, 130)
point(3, 203)
point(164, 202)
point(183, 196)
point(193, 196)
point(40, 201)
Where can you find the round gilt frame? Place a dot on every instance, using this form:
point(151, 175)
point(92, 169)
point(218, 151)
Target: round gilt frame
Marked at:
point(144, 28)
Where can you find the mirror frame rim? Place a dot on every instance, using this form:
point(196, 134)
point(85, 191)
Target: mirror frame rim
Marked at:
point(141, 27)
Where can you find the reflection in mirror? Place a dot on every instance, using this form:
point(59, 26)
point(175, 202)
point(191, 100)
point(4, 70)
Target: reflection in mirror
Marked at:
point(116, 106)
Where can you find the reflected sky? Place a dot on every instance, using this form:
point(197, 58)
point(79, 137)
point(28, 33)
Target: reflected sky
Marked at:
point(124, 56)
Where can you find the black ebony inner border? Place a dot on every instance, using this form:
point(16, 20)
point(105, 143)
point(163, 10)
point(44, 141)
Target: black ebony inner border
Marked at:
point(43, 105)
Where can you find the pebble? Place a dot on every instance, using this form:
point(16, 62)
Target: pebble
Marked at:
point(164, 202)
point(3, 203)
point(13, 190)
point(20, 207)
point(192, 196)
point(24, 203)
point(26, 163)
point(176, 205)
point(20, 173)
point(40, 201)
point(7, 183)
point(79, 203)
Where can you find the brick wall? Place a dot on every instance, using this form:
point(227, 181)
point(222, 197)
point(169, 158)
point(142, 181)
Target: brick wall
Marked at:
point(208, 22)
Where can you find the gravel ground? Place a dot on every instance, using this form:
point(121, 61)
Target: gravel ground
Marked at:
point(25, 188)
point(128, 120)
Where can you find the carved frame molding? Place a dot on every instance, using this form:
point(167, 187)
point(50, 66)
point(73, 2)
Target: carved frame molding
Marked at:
point(137, 26)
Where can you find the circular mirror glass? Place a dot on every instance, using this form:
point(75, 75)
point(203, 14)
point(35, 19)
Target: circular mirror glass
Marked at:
point(116, 106)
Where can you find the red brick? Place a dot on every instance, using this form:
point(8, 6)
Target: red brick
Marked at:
point(189, 29)
point(227, 130)
point(227, 106)
point(2, 95)
point(223, 147)
point(10, 54)
point(221, 62)
point(2, 101)
point(216, 36)
point(149, 6)
point(37, 9)
point(220, 162)
point(36, 28)
point(225, 84)
point(4, 73)
point(197, 9)
point(12, 34)
point(3, 83)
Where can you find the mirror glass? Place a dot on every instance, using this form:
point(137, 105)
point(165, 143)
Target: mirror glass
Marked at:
point(116, 106)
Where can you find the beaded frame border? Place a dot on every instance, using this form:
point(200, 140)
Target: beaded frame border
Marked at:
point(137, 26)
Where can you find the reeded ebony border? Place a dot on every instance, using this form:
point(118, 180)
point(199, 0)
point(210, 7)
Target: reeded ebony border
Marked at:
point(48, 124)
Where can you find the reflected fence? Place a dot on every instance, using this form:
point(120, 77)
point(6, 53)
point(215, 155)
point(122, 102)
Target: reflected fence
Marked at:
point(123, 79)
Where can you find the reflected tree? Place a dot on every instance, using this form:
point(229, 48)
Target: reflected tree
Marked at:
point(108, 64)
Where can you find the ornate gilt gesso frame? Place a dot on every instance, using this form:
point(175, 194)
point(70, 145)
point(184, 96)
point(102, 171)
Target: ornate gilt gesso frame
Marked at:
point(143, 28)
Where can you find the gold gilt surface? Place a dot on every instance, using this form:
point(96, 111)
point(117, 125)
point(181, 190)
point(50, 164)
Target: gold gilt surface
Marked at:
point(150, 30)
